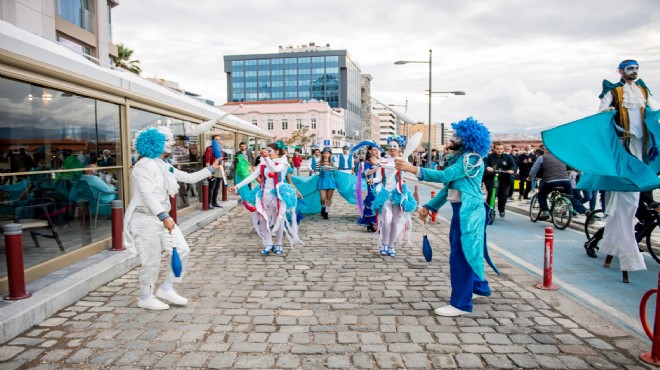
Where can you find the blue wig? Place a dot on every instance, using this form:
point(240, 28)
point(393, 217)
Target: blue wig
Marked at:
point(150, 143)
point(474, 134)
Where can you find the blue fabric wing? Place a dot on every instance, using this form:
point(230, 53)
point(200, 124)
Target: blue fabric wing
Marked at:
point(217, 149)
point(346, 185)
point(592, 146)
point(311, 198)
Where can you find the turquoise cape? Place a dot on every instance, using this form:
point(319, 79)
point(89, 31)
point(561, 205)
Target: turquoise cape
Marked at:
point(591, 145)
point(467, 179)
point(312, 200)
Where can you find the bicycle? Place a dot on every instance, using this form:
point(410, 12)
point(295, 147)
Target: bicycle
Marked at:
point(594, 228)
point(561, 208)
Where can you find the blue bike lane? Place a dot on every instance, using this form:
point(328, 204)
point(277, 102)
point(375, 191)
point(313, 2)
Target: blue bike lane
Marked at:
point(521, 242)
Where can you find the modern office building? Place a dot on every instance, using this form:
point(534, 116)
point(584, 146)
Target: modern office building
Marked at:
point(304, 73)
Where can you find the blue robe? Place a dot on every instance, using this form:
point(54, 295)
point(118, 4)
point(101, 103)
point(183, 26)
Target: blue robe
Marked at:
point(466, 179)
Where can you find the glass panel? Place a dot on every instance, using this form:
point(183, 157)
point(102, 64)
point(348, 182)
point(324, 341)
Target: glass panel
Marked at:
point(47, 137)
point(185, 152)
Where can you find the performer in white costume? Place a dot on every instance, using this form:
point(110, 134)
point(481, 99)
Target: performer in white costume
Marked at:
point(345, 161)
point(273, 199)
point(629, 97)
point(147, 218)
point(394, 202)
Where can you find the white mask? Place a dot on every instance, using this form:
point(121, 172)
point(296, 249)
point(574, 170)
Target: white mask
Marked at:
point(169, 138)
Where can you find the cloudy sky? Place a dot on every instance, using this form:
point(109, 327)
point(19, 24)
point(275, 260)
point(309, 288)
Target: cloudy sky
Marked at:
point(524, 64)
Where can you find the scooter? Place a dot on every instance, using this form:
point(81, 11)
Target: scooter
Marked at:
point(493, 196)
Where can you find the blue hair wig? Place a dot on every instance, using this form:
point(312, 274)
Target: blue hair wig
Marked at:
point(474, 134)
point(150, 143)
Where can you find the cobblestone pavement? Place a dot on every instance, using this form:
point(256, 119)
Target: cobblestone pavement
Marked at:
point(334, 303)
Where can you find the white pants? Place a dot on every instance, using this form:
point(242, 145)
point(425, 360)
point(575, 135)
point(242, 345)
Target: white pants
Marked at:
point(151, 238)
point(619, 236)
point(391, 224)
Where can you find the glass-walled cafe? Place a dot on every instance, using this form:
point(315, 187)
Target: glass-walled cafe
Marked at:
point(66, 155)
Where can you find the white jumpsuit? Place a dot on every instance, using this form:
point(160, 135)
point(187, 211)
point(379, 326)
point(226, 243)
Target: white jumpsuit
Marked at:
point(153, 182)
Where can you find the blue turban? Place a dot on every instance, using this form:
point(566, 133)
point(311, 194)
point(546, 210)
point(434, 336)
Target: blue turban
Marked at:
point(627, 63)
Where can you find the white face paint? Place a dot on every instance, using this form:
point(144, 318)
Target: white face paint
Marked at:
point(169, 138)
point(630, 72)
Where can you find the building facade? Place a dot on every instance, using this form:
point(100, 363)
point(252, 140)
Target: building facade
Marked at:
point(282, 118)
point(436, 134)
point(304, 73)
point(82, 26)
point(388, 123)
point(366, 114)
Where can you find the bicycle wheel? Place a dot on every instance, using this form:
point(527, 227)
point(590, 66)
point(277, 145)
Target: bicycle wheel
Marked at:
point(654, 250)
point(534, 209)
point(594, 222)
point(562, 213)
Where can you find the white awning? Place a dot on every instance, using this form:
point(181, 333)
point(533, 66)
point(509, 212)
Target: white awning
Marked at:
point(17, 42)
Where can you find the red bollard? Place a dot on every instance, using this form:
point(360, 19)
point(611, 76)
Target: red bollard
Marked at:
point(224, 190)
point(117, 207)
point(205, 195)
point(652, 357)
point(15, 271)
point(173, 208)
point(547, 261)
point(433, 214)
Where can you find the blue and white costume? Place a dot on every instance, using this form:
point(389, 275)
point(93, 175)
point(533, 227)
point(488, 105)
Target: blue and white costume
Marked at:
point(368, 214)
point(345, 162)
point(393, 202)
point(274, 199)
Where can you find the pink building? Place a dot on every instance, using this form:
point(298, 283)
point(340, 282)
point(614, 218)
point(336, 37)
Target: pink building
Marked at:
point(283, 117)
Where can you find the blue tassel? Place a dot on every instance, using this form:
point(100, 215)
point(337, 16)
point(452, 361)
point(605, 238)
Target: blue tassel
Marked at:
point(426, 249)
point(176, 263)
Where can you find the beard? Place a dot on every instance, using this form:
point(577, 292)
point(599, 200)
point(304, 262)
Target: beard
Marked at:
point(453, 146)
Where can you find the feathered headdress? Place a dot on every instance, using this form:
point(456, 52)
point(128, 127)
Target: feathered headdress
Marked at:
point(399, 139)
point(280, 145)
point(475, 135)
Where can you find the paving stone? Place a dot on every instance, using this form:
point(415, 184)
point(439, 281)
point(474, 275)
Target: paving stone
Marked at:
point(599, 362)
point(442, 361)
point(389, 360)
point(549, 362)
point(468, 361)
point(523, 361)
point(573, 362)
point(338, 362)
point(222, 361)
point(498, 361)
point(7, 352)
point(416, 361)
point(194, 359)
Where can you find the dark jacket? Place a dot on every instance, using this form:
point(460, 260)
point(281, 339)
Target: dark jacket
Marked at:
point(504, 162)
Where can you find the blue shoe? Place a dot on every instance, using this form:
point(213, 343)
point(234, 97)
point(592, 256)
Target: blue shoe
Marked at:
point(383, 250)
point(278, 249)
point(267, 250)
point(392, 252)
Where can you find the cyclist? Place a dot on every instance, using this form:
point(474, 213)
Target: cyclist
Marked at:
point(504, 165)
point(554, 174)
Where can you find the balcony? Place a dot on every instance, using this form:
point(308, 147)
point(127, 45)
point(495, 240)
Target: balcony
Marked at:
point(73, 12)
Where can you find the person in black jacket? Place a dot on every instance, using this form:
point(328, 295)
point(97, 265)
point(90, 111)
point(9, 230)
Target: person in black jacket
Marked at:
point(504, 165)
point(525, 161)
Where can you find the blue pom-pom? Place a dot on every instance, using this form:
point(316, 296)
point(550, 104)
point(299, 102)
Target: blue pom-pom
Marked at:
point(288, 195)
point(177, 266)
point(150, 143)
point(171, 169)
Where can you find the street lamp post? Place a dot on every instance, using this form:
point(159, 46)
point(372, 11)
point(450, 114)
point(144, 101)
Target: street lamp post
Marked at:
point(431, 92)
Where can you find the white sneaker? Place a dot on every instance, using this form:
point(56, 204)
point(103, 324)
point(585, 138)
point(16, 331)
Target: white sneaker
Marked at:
point(152, 303)
point(475, 296)
point(449, 311)
point(171, 296)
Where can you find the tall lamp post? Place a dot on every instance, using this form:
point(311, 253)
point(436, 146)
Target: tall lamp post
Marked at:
point(431, 92)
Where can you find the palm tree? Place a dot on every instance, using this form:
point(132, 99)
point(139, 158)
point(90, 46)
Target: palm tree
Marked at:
point(124, 61)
